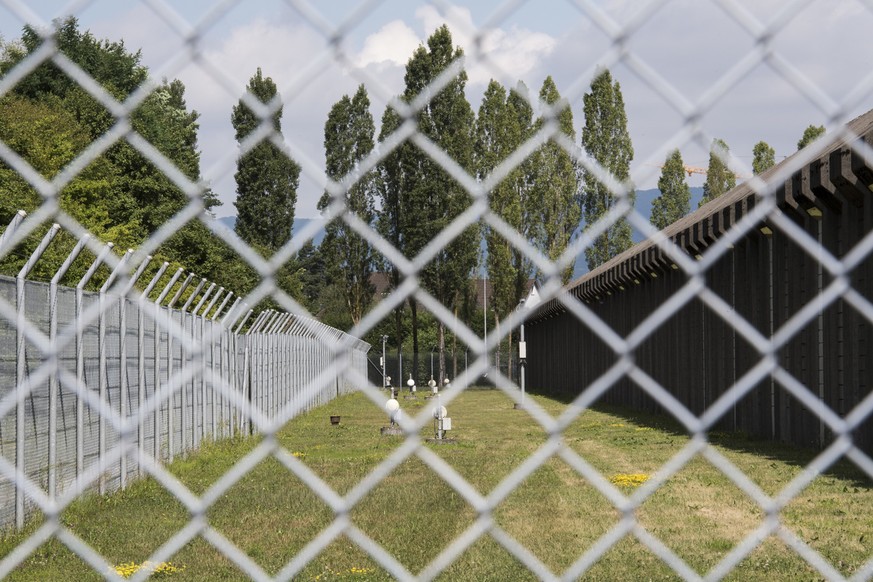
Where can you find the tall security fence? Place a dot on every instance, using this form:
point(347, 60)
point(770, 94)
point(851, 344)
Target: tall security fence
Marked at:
point(168, 374)
point(765, 329)
point(751, 314)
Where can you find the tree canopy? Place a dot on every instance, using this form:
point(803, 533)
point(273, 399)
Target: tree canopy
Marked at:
point(120, 196)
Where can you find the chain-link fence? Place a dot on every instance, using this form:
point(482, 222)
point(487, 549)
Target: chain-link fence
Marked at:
point(128, 358)
point(99, 387)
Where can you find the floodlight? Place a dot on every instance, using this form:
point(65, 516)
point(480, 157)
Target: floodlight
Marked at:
point(393, 409)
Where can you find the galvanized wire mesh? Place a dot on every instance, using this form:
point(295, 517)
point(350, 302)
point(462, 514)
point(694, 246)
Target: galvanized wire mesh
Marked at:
point(193, 345)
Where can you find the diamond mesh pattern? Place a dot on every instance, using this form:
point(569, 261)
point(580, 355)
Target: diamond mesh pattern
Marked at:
point(203, 342)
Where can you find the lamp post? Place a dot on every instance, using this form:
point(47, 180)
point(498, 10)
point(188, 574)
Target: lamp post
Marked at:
point(431, 362)
point(522, 354)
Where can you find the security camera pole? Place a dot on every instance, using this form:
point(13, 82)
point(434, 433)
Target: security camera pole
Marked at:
point(384, 362)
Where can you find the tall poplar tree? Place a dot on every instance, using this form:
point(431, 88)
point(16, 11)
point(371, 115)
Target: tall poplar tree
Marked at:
point(419, 198)
point(763, 157)
point(719, 178)
point(674, 202)
point(606, 140)
point(348, 138)
point(522, 185)
point(555, 183)
point(498, 134)
point(266, 177)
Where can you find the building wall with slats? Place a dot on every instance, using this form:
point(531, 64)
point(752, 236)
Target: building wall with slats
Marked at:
point(698, 355)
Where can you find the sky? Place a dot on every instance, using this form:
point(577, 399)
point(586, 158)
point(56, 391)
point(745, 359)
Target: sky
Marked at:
point(675, 56)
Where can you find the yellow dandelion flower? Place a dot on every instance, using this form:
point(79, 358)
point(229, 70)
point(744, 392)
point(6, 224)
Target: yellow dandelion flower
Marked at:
point(161, 570)
point(629, 479)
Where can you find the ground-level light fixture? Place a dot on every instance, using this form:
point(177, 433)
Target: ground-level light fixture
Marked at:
point(441, 422)
point(411, 384)
point(392, 407)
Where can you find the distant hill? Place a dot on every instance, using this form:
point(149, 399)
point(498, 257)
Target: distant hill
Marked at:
point(643, 205)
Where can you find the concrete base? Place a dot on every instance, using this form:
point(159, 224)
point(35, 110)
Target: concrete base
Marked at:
point(410, 397)
point(391, 431)
point(518, 406)
point(442, 441)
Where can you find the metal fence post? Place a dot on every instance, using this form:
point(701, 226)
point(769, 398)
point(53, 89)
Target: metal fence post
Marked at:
point(102, 377)
point(54, 385)
point(80, 357)
point(122, 357)
point(204, 322)
point(228, 358)
point(186, 426)
point(170, 305)
point(243, 382)
point(141, 392)
point(21, 380)
point(221, 347)
point(157, 371)
point(10, 229)
point(202, 408)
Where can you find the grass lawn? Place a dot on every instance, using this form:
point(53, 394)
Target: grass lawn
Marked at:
point(271, 515)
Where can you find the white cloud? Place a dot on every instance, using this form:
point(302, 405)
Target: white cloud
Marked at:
point(510, 54)
point(506, 54)
point(391, 45)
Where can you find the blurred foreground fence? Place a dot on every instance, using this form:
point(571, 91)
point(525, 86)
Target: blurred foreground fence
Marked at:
point(173, 374)
point(754, 312)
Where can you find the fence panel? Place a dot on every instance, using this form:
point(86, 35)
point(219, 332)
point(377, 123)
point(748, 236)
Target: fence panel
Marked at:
point(62, 437)
point(753, 313)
